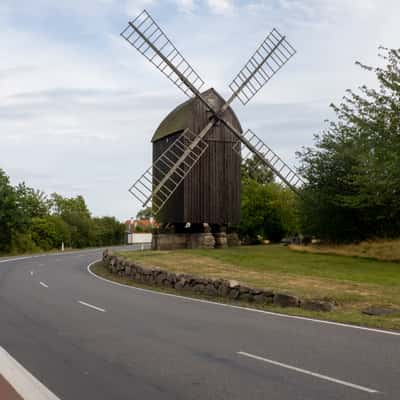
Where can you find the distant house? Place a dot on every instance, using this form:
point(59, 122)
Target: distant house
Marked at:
point(139, 230)
point(140, 225)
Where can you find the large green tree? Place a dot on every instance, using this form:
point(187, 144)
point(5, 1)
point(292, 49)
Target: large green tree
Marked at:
point(253, 169)
point(107, 231)
point(76, 214)
point(268, 209)
point(50, 231)
point(33, 203)
point(353, 189)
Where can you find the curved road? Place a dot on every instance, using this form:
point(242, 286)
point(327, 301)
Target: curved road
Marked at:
point(85, 338)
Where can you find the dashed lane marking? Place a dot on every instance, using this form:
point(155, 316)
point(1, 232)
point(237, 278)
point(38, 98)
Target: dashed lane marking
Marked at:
point(91, 306)
point(307, 372)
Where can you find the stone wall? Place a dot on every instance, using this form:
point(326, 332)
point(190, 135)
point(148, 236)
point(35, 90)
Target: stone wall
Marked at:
point(228, 289)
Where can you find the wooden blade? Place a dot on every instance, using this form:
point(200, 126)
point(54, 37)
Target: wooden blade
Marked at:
point(273, 53)
point(253, 145)
point(147, 37)
point(160, 181)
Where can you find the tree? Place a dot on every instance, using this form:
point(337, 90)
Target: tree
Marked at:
point(268, 209)
point(145, 213)
point(10, 216)
point(252, 168)
point(30, 221)
point(353, 189)
point(49, 232)
point(76, 214)
point(108, 231)
point(33, 203)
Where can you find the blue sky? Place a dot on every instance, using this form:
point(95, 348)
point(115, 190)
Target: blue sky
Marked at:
point(78, 106)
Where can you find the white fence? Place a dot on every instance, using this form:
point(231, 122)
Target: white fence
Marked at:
point(136, 238)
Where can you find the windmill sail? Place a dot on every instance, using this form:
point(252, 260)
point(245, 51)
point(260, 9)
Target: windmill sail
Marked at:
point(159, 182)
point(251, 145)
point(273, 53)
point(147, 37)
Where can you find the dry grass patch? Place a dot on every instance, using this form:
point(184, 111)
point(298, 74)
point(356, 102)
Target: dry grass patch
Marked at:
point(383, 250)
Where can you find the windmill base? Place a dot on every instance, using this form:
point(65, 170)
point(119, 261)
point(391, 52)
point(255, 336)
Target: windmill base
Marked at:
point(194, 240)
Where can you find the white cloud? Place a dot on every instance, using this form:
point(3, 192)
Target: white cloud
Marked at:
point(186, 6)
point(134, 7)
point(224, 7)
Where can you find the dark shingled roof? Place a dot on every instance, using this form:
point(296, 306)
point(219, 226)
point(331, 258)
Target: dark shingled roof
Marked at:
point(176, 120)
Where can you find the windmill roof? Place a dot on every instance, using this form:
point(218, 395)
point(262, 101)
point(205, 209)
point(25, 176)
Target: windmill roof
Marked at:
point(177, 120)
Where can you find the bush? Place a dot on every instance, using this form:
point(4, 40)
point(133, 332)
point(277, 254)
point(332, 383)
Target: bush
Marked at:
point(23, 243)
point(269, 211)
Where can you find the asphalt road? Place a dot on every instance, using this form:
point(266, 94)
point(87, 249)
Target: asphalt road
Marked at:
point(85, 338)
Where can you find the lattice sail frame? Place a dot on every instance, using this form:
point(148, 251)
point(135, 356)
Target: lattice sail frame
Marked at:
point(273, 53)
point(147, 188)
point(284, 172)
point(148, 38)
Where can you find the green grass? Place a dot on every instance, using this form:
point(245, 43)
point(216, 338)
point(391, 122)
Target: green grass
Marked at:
point(280, 259)
point(354, 283)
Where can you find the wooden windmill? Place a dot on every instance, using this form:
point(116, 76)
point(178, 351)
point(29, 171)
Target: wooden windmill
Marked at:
point(198, 148)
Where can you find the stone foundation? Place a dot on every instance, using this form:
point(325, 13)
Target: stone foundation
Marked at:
point(221, 241)
point(175, 236)
point(176, 241)
point(200, 241)
point(169, 241)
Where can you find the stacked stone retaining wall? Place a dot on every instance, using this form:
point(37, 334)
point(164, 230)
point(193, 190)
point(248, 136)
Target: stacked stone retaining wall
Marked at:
point(229, 289)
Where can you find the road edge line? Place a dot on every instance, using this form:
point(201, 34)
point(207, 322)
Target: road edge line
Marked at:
point(23, 382)
point(272, 313)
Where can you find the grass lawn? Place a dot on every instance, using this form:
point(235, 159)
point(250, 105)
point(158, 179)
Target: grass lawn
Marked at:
point(354, 283)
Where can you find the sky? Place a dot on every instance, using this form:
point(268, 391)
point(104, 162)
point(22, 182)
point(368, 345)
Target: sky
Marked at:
point(78, 105)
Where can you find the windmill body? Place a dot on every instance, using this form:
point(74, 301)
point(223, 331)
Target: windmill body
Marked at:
point(194, 182)
point(210, 193)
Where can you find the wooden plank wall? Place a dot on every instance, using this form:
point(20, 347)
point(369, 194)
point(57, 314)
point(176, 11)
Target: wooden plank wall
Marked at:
point(212, 190)
point(173, 211)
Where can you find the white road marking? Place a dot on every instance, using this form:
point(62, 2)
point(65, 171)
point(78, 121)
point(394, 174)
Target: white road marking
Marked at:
point(24, 383)
point(32, 273)
point(14, 259)
point(275, 314)
point(91, 306)
point(44, 285)
point(306, 372)
point(67, 253)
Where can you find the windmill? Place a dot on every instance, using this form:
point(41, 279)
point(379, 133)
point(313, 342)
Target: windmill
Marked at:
point(197, 150)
